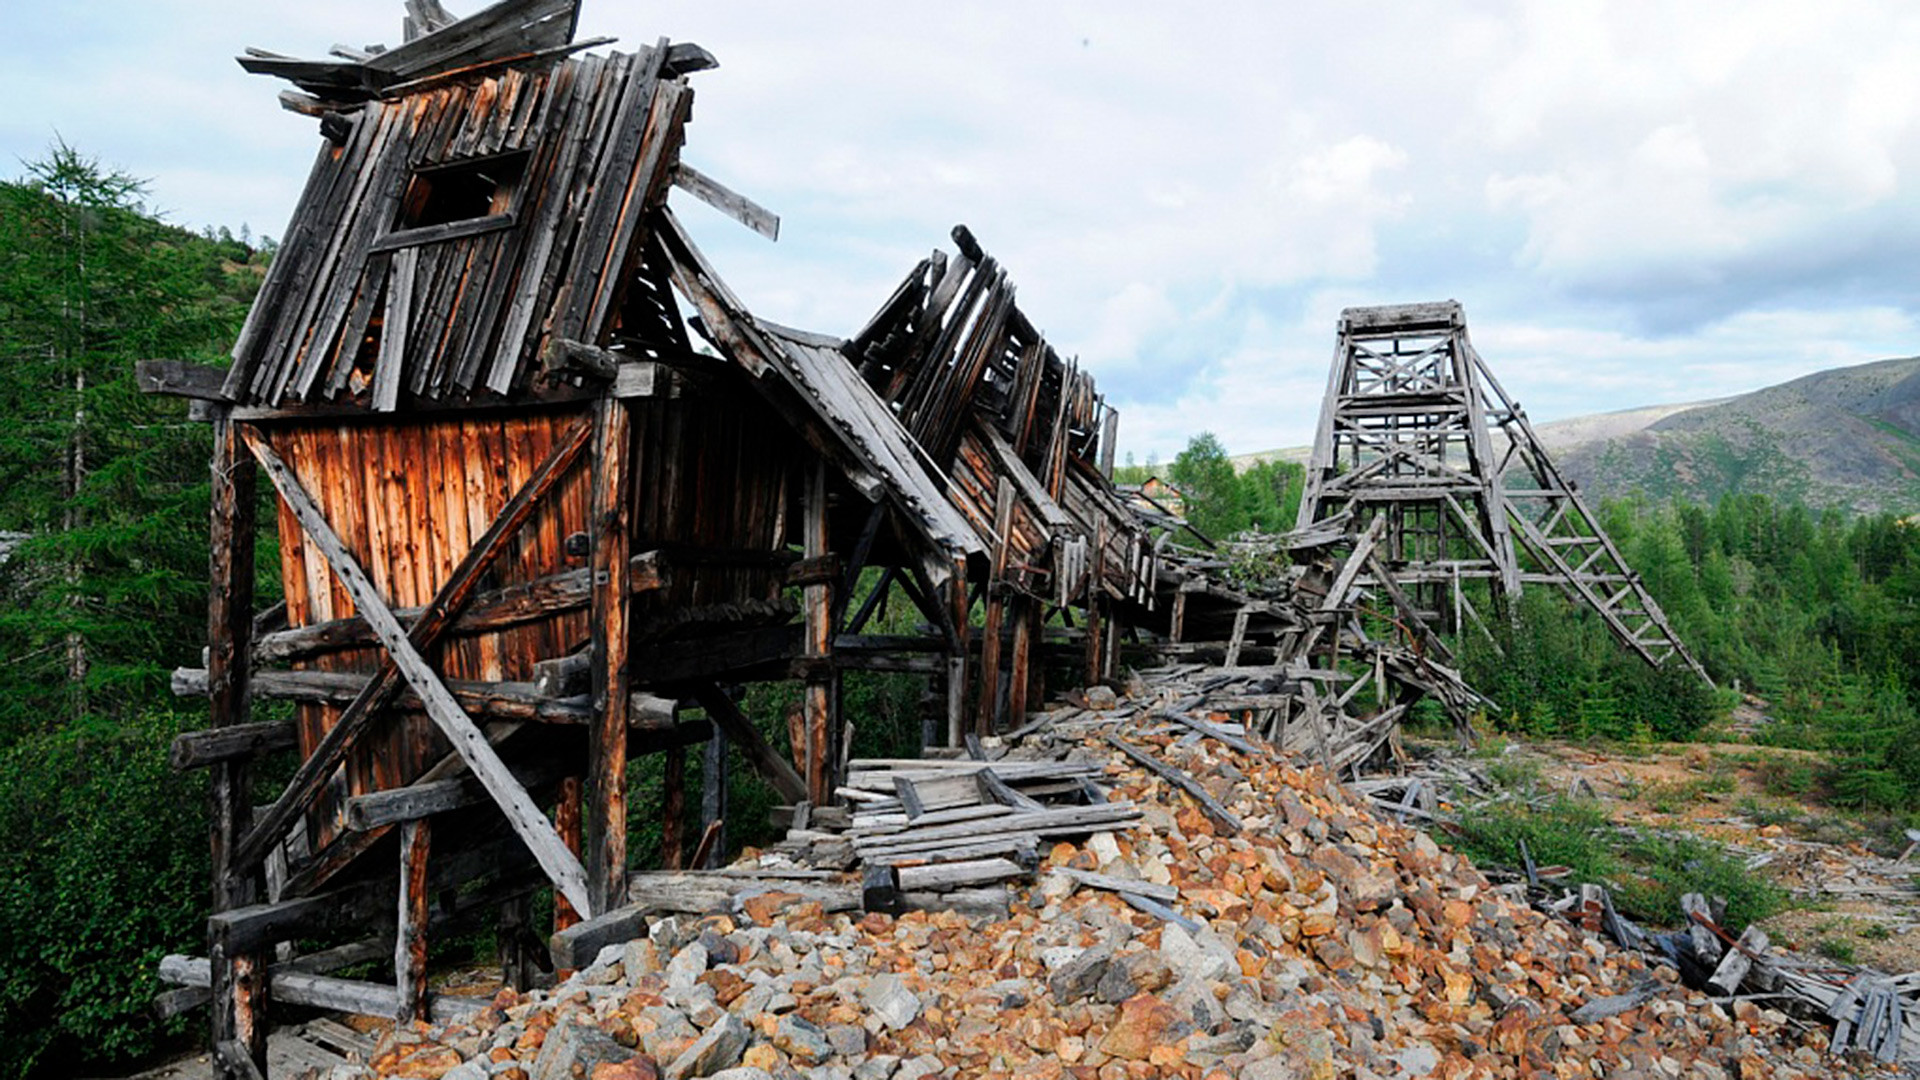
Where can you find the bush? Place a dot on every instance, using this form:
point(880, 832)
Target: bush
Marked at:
point(107, 871)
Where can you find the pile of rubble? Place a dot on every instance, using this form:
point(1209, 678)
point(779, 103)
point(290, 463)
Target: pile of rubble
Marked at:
point(1291, 930)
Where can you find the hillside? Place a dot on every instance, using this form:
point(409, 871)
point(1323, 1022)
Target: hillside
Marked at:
point(1846, 437)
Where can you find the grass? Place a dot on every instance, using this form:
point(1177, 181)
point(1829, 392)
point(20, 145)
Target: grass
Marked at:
point(1647, 874)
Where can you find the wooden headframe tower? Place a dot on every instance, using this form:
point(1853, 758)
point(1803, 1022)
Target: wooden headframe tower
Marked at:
point(1416, 431)
point(525, 523)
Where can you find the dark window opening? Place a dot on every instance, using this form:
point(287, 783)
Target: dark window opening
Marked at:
point(461, 191)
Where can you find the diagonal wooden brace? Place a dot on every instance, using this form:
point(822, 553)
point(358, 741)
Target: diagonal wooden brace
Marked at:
point(404, 657)
point(442, 612)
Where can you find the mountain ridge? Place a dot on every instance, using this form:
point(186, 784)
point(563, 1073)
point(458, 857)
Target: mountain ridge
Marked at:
point(1845, 438)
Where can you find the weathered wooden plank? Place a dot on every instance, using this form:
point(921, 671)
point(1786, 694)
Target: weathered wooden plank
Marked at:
point(562, 867)
point(1166, 894)
point(727, 201)
point(487, 700)
point(195, 749)
point(181, 378)
point(395, 324)
point(941, 877)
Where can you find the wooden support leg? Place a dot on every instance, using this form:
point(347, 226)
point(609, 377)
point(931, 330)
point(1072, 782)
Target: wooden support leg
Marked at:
point(1026, 623)
point(990, 636)
point(713, 801)
point(961, 614)
point(819, 713)
point(607, 738)
point(986, 716)
point(514, 936)
point(240, 980)
point(410, 940)
point(673, 810)
point(566, 822)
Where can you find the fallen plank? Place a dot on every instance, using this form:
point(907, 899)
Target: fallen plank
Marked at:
point(1219, 814)
point(1162, 893)
point(942, 877)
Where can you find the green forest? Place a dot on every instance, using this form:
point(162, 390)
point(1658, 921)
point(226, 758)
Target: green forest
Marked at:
point(103, 562)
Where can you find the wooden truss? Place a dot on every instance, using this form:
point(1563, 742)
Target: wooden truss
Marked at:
point(1416, 431)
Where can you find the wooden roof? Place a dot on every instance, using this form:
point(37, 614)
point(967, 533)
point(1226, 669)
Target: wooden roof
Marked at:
point(450, 235)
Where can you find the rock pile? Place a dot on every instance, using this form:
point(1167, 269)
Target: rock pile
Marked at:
point(1303, 936)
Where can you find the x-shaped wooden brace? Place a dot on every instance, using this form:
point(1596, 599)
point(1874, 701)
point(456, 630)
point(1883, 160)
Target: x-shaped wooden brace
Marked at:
point(404, 661)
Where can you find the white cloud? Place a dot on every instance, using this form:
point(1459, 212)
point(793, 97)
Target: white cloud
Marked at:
point(1639, 200)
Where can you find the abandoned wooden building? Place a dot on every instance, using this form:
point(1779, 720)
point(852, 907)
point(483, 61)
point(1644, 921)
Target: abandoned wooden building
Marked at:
point(541, 480)
point(547, 494)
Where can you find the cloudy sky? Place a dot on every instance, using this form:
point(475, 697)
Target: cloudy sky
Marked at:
point(1636, 202)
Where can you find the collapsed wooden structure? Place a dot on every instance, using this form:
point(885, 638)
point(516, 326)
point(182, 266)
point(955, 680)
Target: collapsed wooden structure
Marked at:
point(547, 494)
point(1416, 433)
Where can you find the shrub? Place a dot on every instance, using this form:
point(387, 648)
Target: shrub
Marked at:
point(107, 871)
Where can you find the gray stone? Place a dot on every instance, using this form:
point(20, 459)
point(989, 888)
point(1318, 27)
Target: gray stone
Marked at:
point(571, 1046)
point(742, 1072)
point(686, 966)
point(1417, 1060)
point(475, 1069)
point(801, 1040)
point(720, 1048)
point(877, 1067)
point(1193, 999)
point(887, 998)
point(1202, 956)
point(1078, 977)
point(847, 1040)
point(671, 1028)
point(915, 1068)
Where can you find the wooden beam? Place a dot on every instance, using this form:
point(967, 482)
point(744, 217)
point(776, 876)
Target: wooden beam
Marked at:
point(561, 865)
point(726, 715)
point(196, 749)
point(313, 774)
point(987, 719)
point(238, 977)
point(606, 819)
point(488, 701)
point(494, 609)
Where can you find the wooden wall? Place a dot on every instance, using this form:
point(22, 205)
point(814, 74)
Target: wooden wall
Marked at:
point(407, 499)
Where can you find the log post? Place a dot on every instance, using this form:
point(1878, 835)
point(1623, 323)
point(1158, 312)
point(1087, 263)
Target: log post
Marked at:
point(1096, 604)
point(607, 737)
point(513, 935)
point(713, 798)
point(566, 822)
point(410, 939)
point(819, 712)
point(961, 612)
point(239, 981)
point(673, 810)
point(986, 719)
point(1026, 683)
